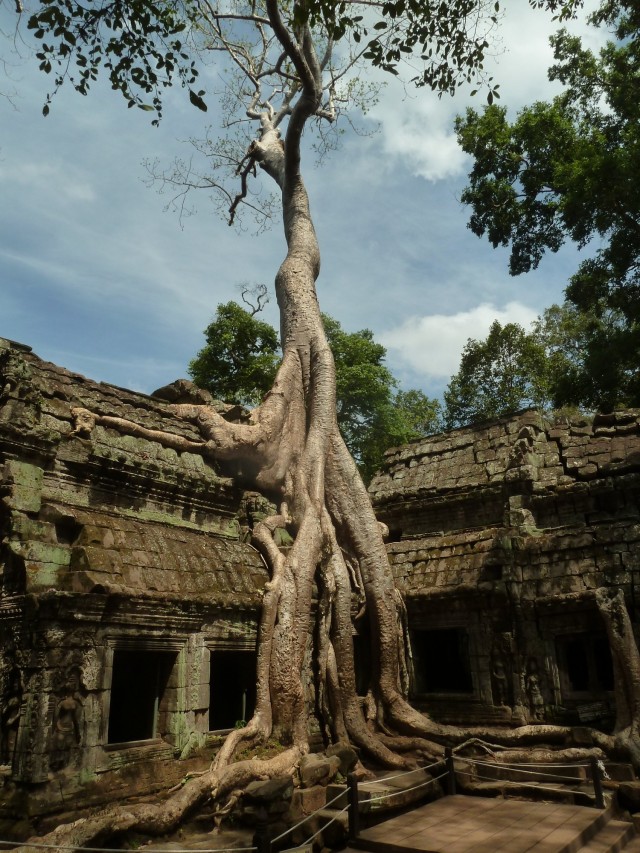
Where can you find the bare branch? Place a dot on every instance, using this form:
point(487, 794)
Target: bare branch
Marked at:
point(259, 292)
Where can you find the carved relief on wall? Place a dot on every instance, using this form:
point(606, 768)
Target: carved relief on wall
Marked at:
point(533, 688)
point(499, 683)
point(255, 508)
point(10, 715)
point(67, 719)
point(501, 669)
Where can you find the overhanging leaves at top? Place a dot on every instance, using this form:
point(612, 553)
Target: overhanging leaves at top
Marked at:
point(146, 45)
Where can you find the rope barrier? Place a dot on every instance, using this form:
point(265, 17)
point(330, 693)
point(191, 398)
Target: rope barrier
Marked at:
point(514, 769)
point(399, 775)
point(406, 790)
point(322, 828)
point(308, 817)
point(519, 763)
point(39, 846)
point(529, 784)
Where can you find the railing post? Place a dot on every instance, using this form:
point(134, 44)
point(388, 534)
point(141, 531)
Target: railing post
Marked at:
point(261, 837)
point(451, 773)
point(597, 782)
point(354, 806)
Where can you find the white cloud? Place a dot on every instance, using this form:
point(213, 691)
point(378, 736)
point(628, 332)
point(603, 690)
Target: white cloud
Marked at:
point(420, 133)
point(431, 345)
point(418, 128)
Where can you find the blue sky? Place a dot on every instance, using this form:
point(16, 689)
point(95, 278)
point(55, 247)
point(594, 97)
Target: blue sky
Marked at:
point(98, 277)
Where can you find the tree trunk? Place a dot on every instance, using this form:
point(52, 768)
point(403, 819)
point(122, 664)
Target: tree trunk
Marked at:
point(625, 658)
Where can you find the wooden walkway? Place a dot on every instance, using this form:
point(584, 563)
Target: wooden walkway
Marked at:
point(464, 824)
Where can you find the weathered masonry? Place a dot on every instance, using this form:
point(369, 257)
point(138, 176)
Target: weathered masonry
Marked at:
point(129, 600)
point(499, 536)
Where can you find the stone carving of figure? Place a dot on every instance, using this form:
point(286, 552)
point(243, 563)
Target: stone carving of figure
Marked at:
point(10, 718)
point(83, 422)
point(534, 693)
point(257, 508)
point(500, 684)
point(66, 723)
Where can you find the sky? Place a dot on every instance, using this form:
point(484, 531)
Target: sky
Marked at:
point(98, 276)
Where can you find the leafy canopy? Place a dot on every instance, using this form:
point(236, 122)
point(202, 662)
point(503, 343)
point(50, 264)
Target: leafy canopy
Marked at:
point(568, 170)
point(147, 45)
point(497, 376)
point(239, 360)
point(566, 361)
point(592, 357)
point(241, 356)
point(373, 413)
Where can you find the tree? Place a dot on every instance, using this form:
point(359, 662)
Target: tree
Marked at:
point(571, 358)
point(372, 413)
point(405, 416)
point(565, 170)
point(502, 374)
point(591, 357)
point(240, 359)
point(291, 62)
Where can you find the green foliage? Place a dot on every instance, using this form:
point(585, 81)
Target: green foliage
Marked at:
point(502, 374)
point(146, 45)
point(592, 357)
point(141, 44)
point(240, 359)
point(373, 414)
point(568, 170)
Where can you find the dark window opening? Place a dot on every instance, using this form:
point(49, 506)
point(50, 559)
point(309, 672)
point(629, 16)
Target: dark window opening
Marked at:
point(68, 530)
point(491, 573)
point(232, 687)
point(441, 661)
point(577, 664)
point(585, 665)
point(603, 662)
point(362, 657)
point(138, 688)
point(395, 534)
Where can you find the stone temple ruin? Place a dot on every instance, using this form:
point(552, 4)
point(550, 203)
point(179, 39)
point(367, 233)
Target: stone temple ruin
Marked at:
point(130, 595)
point(499, 536)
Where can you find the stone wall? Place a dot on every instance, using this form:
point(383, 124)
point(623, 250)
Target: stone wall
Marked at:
point(117, 557)
point(500, 533)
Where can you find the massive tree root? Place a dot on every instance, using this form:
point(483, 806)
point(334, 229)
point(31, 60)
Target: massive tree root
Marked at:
point(626, 671)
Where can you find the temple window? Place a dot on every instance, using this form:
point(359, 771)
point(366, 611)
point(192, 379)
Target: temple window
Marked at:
point(232, 688)
point(584, 663)
point(137, 709)
point(441, 661)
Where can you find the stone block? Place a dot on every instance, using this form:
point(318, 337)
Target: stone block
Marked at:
point(27, 529)
point(25, 482)
point(317, 769)
point(629, 796)
point(278, 789)
point(347, 755)
point(305, 801)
